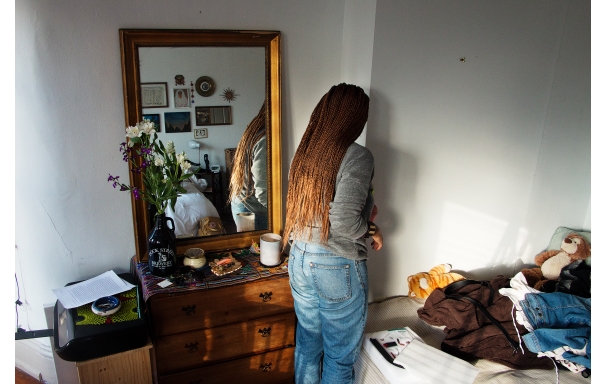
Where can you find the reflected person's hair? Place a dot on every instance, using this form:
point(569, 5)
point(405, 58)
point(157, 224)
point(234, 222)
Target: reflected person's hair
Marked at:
point(241, 172)
point(336, 122)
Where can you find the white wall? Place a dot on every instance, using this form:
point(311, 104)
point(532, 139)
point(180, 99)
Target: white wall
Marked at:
point(470, 168)
point(70, 223)
point(477, 161)
point(358, 39)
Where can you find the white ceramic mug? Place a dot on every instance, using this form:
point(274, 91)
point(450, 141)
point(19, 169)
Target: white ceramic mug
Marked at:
point(270, 249)
point(245, 221)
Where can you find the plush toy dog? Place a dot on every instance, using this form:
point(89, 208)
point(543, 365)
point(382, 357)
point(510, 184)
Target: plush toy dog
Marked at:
point(422, 284)
point(550, 263)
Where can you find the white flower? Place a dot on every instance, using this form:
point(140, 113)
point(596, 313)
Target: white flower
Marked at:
point(158, 161)
point(147, 127)
point(133, 131)
point(170, 147)
point(185, 166)
point(181, 157)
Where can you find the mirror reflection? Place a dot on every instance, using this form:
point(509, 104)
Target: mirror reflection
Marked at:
point(248, 182)
point(210, 102)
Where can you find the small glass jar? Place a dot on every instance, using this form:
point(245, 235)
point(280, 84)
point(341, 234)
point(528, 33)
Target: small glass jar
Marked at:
point(194, 258)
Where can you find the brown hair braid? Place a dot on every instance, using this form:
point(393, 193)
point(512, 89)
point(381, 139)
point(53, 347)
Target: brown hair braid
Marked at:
point(335, 123)
point(241, 172)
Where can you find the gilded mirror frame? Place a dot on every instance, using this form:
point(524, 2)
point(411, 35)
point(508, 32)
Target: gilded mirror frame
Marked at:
point(130, 42)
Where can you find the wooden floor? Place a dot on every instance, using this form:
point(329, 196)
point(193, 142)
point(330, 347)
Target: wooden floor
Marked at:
point(23, 378)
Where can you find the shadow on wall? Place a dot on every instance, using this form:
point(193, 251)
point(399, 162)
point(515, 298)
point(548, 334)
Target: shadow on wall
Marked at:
point(394, 182)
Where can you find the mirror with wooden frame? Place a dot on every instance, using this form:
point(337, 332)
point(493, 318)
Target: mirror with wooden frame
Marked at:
point(172, 76)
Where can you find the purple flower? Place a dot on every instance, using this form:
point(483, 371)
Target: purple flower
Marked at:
point(126, 151)
point(136, 193)
point(123, 187)
point(146, 150)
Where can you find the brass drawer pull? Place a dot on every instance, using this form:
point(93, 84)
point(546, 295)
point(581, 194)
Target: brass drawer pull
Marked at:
point(266, 296)
point(265, 331)
point(266, 367)
point(189, 310)
point(192, 347)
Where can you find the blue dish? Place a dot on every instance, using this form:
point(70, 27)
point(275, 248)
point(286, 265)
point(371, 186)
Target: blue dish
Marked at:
point(106, 306)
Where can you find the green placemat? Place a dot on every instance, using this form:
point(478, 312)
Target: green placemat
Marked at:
point(128, 311)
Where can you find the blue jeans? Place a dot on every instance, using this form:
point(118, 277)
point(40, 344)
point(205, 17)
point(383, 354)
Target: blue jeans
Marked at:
point(331, 304)
point(559, 319)
point(260, 218)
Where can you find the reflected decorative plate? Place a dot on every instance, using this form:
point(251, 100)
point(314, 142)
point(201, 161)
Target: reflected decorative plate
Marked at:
point(205, 86)
point(224, 266)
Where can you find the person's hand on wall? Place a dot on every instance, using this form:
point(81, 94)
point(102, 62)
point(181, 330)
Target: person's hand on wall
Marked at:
point(377, 239)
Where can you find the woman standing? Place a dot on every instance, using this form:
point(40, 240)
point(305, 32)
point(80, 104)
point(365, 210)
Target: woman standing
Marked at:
point(328, 205)
point(248, 183)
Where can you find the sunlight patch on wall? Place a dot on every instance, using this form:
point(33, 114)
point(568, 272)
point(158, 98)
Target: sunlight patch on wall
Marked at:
point(468, 239)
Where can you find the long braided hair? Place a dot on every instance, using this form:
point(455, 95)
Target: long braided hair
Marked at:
point(241, 172)
point(335, 123)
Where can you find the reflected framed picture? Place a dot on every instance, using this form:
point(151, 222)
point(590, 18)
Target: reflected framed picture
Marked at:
point(154, 95)
point(181, 98)
point(177, 122)
point(213, 115)
point(154, 118)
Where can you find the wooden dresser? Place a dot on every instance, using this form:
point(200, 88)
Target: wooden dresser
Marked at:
point(235, 328)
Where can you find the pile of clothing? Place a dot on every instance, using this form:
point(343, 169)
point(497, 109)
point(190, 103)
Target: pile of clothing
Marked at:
point(506, 321)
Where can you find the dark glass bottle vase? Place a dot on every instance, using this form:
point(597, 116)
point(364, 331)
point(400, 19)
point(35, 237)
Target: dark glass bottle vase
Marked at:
point(162, 247)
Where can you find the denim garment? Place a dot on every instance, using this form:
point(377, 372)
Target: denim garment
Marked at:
point(331, 304)
point(237, 207)
point(559, 319)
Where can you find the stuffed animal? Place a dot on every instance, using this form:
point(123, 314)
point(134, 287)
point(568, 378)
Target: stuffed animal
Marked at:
point(550, 263)
point(422, 284)
point(210, 226)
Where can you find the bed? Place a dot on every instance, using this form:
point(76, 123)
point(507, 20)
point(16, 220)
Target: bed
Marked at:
point(190, 208)
point(401, 311)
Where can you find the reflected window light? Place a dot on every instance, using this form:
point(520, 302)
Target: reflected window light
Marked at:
point(469, 239)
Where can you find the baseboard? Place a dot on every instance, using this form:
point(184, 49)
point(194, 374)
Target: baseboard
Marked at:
point(35, 357)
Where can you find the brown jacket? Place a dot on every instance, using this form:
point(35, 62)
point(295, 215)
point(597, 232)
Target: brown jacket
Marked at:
point(471, 335)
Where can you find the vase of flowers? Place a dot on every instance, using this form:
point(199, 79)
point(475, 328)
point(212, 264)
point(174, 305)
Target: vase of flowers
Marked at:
point(162, 170)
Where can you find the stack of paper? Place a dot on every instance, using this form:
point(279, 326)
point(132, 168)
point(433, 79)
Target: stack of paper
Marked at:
point(106, 284)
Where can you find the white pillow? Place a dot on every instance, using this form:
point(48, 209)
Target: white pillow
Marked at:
point(201, 184)
point(562, 232)
point(189, 209)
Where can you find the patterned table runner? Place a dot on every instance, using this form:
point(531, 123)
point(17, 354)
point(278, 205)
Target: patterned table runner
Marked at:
point(203, 278)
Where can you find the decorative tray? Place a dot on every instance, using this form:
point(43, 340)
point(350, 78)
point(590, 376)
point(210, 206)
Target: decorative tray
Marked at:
point(225, 265)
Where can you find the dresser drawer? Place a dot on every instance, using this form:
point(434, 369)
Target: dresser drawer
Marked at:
point(271, 367)
point(219, 306)
point(185, 350)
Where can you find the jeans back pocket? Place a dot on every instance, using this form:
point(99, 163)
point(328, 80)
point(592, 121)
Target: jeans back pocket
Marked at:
point(332, 281)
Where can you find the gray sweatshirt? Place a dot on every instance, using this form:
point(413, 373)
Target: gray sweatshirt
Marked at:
point(351, 206)
point(257, 203)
